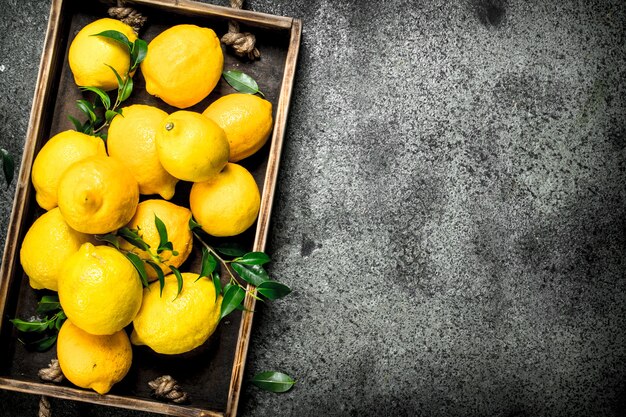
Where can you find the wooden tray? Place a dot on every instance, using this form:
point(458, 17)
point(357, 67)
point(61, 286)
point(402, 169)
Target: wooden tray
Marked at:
point(211, 374)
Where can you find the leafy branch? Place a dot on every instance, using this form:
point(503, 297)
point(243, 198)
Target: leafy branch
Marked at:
point(96, 121)
point(248, 267)
point(133, 237)
point(41, 333)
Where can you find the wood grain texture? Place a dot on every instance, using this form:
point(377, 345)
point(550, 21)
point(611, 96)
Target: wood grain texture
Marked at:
point(212, 374)
point(265, 212)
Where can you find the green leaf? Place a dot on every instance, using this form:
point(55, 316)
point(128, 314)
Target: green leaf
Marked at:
point(77, 125)
point(179, 278)
point(218, 284)
point(139, 266)
point(241, 82)
point(104, 97)
point(87, 108)
point(120, 82)
point(139, 52)
point(163, 240)
point(126, 90)
point(48, 303)
point(109, 238)
point(160, 275)
point(233, 296)
point(132, 237)
point(116, 36)
point(273, 381)
point(253, 258)
point(109, 115)
point(102, 136)
point(60, 320)
point(231, 249)
point(209, 263)
point(193, 224)
point(273, 290)
point(30, 326)
point(8, 166)
point(44, 344)
point(252, 274)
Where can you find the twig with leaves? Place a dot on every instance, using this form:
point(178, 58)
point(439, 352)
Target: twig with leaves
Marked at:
point(96, 122)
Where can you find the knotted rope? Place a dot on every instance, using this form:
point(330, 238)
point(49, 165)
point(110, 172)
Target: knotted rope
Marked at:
point(44, 407)
point(242, 43)
point(166, 387)
point(128, 15)
point(52, 373)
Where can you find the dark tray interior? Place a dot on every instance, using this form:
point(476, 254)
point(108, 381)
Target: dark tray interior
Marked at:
point(204, 373)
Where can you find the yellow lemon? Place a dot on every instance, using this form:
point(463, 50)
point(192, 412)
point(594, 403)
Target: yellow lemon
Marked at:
point(191, 147)
point(246, 120)
point(91, 361)
point(183, 65)
point(98, 195)
point(99, 289)
point(228, 204)
point(176, 221)
point(90, 56)
point(131, 140)
point(55, 157)
point(47, 244)
point(169, 324)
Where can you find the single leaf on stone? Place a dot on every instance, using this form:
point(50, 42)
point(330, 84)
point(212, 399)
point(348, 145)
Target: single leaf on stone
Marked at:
point(8, 166)
point(273, 381)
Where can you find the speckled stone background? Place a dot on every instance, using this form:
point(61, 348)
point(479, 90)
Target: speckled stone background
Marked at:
point(451, 209)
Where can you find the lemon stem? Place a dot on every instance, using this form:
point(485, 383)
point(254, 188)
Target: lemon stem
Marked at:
point(219, 258)
point(169, 126)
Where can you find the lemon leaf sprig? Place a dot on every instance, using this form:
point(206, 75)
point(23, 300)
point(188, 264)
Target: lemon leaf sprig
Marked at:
point(273, 381)
point(248, 267)
point(98, 120)
point(39, 333)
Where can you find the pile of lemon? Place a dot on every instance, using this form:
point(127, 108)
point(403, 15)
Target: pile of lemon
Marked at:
point(91, 188)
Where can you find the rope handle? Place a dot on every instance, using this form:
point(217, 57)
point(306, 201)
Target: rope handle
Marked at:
point(243, 44)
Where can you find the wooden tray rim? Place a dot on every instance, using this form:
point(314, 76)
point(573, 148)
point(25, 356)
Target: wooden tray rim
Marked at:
point(23, 190)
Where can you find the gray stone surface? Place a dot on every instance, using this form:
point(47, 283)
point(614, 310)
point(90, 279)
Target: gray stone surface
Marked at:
point(450, 209)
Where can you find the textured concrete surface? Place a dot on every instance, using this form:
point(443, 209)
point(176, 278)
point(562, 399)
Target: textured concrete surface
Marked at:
point(451, 209)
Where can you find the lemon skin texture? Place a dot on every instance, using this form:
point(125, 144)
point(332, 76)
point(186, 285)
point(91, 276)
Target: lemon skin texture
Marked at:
point(91, 361)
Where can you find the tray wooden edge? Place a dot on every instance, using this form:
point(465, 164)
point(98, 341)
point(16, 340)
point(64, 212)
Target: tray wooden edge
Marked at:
point(22, 193)
point(265, 211)
point(131, 403)
point(22, 189)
